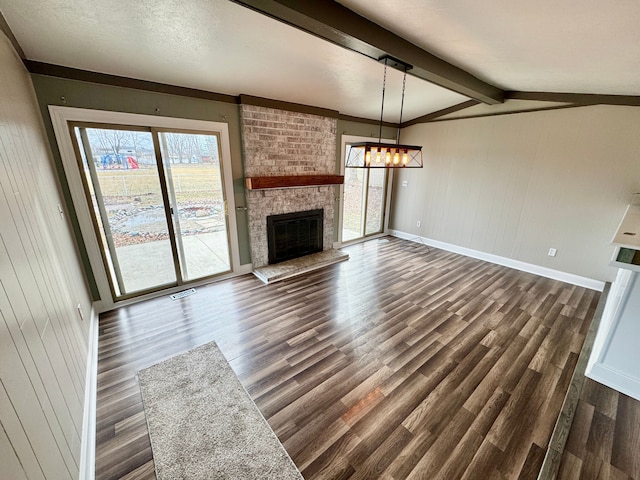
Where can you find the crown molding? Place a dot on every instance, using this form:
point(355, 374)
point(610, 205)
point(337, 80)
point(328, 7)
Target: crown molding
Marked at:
point(52, 70)
point(282, 105)
point(370, 121)
point(4, 28)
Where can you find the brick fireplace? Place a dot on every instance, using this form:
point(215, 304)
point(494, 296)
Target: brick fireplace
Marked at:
point(277, 143)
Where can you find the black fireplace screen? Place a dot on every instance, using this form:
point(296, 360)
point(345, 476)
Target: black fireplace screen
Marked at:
point(293, 235)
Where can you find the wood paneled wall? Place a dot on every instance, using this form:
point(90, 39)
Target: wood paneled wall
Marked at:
point(43, 339)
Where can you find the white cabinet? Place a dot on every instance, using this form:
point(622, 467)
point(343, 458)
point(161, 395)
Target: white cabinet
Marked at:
point(628, 233)
point(615, 359)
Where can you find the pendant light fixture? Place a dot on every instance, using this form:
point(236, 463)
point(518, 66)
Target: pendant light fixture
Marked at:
point(386, 155)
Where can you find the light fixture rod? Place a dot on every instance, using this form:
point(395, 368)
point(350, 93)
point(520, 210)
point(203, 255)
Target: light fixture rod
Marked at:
point(404, 83)
point(384, 84)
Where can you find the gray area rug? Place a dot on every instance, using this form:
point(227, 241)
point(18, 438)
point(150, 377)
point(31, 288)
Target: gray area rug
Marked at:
point(203, 424)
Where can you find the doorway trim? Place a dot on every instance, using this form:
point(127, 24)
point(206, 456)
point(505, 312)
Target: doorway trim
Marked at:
point(60, 116)
point(346, 139)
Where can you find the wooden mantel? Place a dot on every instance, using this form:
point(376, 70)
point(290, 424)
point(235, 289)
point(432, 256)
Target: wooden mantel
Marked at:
point(286, 181)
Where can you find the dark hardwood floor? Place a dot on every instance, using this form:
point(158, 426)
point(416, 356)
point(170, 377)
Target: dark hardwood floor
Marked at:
point(404, 362)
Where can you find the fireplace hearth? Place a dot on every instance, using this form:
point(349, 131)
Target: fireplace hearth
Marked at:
point(293, 235)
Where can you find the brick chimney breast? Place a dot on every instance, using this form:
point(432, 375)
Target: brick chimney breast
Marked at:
point(278, 142)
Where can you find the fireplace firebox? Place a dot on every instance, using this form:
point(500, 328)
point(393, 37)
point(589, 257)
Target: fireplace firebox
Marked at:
point(293, 235)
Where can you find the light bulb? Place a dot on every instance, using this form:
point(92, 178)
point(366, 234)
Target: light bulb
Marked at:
point(387, 158)
point(367, 158)
point(405, 158)
point(396, 158)
point(378, 156)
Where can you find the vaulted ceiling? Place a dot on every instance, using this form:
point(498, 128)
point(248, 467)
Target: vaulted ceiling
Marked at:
point(325, 54)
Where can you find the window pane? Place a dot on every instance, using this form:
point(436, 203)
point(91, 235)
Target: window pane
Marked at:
point(192, 166)
point(353, 206)
point(127, 200)
point(375, 200)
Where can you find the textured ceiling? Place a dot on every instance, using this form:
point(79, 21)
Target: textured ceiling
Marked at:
point(577, 46)
point(213, 45)
point(219, 46)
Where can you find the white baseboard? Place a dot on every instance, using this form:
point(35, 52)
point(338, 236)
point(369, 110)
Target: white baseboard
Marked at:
point(615, 379)
point(507, 262)
point(88, 448)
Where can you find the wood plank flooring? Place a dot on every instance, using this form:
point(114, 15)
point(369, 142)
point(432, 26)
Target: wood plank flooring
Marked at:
point(402, 363)
point(604, 442)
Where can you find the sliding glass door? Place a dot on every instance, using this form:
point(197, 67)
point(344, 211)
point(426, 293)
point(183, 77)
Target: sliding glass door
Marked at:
point(364, 202)
point(158, 204)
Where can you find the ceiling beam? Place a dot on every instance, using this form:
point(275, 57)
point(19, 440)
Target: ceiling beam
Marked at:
point(507, 112)
point(577, 98)
point(429, 117)
point(335, 23)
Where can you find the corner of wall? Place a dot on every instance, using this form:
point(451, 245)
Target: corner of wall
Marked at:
point(88, 449)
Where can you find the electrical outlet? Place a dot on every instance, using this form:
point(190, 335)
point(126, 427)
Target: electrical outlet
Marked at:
point(405, 183)
point(418, 223)
point(552, 252)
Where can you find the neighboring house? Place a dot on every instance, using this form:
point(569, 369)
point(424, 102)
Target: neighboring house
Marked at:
point(507, 187)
